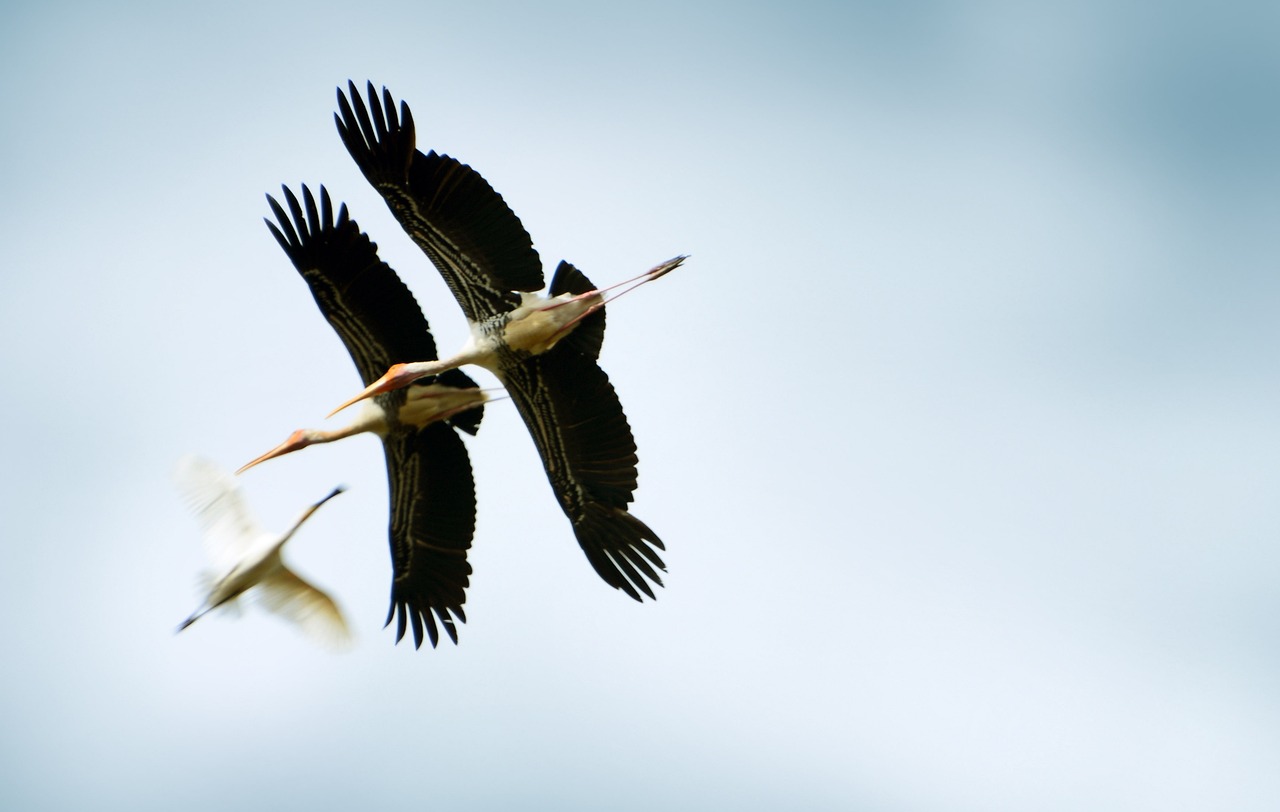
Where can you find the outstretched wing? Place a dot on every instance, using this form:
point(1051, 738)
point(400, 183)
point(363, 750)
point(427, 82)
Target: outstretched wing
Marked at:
point(370, 309)
point(433, 518)
point(588, 336)
point(471, 235)
point(286, 594)
point(213, 495)
point(581, 433)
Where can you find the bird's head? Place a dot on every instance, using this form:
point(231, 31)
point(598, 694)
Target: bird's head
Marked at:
point(397, 377)
point(299, 439)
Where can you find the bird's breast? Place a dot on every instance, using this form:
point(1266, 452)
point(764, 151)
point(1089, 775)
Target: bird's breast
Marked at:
point(539, 324)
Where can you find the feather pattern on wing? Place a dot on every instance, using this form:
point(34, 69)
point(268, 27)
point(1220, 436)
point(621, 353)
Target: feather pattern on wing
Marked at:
point(362, 298)
point(464, 226)
point(432, 491)
point(433, 519)
point(587, 449)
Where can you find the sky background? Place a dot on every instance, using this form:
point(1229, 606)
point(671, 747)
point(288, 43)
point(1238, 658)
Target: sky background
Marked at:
point(960, 424)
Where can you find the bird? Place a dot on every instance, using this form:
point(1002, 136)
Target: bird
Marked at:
point(433, 502)
point(248, 558)
point(544, 349)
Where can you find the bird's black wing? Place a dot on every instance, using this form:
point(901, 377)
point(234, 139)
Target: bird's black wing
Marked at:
point(471, 235)
point(581, 433)
point(588, 336)
point(370, 309)
point(433, 518)
point(433, 502)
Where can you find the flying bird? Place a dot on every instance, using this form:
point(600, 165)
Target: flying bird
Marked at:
point(543, 349)
point(245, 557)
point(433, 501)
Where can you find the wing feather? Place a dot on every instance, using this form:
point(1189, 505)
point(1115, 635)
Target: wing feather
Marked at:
point(587, 449)
point(433, 519)
point(369, 307)
point(588, 336)
point(228, 528)
point(467, 230)
point(286, 594)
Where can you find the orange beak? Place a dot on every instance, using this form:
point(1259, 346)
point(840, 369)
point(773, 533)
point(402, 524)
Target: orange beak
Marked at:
point(397, 377)
point(299, 439)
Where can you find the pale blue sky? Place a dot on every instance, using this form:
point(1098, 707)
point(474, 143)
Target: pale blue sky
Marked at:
point(960, 424)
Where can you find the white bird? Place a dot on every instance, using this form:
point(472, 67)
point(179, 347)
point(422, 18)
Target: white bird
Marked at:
point(245, 557)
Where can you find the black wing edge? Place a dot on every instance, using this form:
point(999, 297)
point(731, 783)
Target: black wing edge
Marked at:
point(601, 454)
point(588, 337)
point(375, 315)
point(382, 146)
point(620, 548)
point(449, 196)
point(468, 421)
point(432, 573)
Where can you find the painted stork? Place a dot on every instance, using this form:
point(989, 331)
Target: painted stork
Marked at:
point(433, 501)
point(247, 558)
point(543, 349)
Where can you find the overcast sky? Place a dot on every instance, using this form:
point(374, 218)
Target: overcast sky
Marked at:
point(960, 424)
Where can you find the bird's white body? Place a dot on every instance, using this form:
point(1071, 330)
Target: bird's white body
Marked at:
point(536, 325)
point(427, 404)
point(261, 564)
point(245, 557)
point(533, 328)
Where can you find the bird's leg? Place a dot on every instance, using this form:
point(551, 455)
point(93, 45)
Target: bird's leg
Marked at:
point(653, 273)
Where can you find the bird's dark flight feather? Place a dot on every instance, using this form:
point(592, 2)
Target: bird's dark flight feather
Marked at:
point(433, 503)
point(484, 254)
point(588, 336)
point(433, 518)
point(362, 298)
point(589, 455)
point(464, 226)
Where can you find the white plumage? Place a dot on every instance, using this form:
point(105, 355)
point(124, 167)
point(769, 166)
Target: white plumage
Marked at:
point(245, 557)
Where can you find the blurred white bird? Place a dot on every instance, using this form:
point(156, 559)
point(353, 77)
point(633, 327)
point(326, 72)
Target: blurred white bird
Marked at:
point(245, 557)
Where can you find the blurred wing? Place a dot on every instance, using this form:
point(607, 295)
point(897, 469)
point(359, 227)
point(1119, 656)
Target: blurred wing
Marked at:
point(311, 610)
point(589, 455)
point(433, 518)
point(464, 226)
point(213, 495)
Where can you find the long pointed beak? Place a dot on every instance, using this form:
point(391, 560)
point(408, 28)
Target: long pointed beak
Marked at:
point(306, 514)
point(296, 441)
point(332, 494)
point(388, 382)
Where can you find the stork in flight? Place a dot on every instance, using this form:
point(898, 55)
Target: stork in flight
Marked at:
point(248, 558)
point(543, 349)
point(433, 501)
